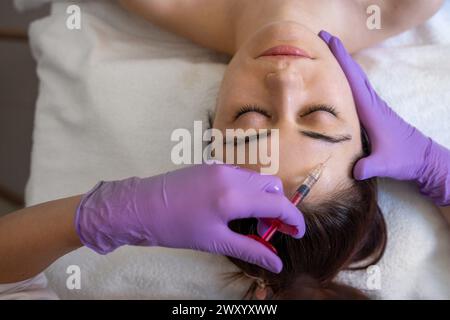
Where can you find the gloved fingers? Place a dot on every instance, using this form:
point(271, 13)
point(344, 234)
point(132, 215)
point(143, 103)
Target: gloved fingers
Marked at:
point(265, 223)
point(365, 96)
point(267, 205)
point(268, 183)
point(271, 184)
point(253, 179)
point(325, 36)
point(370, 167)
point(355, 75)
point(351, 68)
point(249, 250)
point(262, 226)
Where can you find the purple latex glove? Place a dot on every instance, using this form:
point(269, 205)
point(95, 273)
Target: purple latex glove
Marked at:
point(188, 208)
point(399, 150)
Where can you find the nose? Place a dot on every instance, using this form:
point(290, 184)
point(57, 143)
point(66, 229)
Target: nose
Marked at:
point(284, 79)
point(286, 87)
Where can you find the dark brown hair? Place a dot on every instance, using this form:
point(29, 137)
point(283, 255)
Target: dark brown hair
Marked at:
point(346, 231)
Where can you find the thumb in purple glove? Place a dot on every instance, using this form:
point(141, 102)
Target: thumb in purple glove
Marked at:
point(188, 208)
point(265, 223)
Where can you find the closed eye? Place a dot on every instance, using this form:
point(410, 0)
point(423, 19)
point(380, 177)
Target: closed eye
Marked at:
point(251, 108)
point(310, 134)
point(320, 107)
point(312, 109)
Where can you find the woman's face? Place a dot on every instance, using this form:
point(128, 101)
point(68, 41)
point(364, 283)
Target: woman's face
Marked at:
point(307, 98)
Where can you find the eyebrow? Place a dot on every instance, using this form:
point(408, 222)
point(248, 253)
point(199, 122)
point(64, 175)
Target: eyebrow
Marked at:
point(326, 138)
point(310, 134)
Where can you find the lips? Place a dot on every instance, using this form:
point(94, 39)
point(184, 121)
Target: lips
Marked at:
point(285, 50)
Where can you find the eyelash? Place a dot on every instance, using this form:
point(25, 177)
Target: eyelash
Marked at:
point(251, 108)
point(322, 107)
point(254, 108)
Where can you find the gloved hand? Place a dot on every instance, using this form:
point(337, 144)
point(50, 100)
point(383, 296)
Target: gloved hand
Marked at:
point(188, 208)
point(399, 150)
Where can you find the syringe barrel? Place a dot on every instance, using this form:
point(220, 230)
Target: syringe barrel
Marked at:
point(309, 181)
point(303, 190)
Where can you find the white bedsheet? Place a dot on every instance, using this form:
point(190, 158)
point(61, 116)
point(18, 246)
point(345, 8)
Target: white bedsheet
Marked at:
point(110, 96)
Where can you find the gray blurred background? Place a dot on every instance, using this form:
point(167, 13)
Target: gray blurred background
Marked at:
point(18, 92)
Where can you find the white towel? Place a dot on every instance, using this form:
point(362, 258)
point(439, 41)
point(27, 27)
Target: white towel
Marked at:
point(110, 96)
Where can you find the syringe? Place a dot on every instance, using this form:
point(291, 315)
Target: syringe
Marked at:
point(297, 198)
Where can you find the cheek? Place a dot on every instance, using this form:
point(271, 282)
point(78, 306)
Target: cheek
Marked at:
point(233, 88)
point(235, 75)
point(330, 80)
